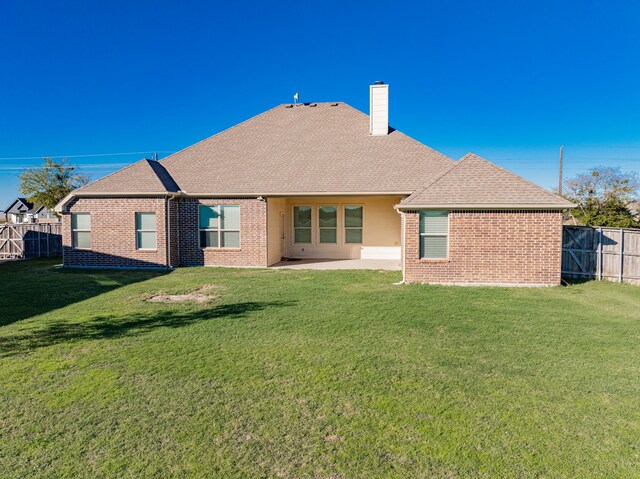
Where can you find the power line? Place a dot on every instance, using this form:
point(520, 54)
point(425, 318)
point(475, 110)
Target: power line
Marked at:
point(566, 156)
point(84, 156)
point(104, 166)
point(602, 158)
point(604, 146)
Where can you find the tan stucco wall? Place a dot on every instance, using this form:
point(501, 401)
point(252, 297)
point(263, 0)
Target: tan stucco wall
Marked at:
point(382, 226)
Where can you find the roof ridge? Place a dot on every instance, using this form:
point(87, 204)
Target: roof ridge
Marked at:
point(446, 172)
point(395, 130)
point(222, 131)
point(516, 175)
point(491, 171)
point(111, 174)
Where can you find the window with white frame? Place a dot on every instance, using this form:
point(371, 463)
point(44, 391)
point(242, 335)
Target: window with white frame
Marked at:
point(434, 234)
point(146, 237)
point(81, 230)
point(219, 226)
point(328, 224)
point(302, 224)
point(353, 224)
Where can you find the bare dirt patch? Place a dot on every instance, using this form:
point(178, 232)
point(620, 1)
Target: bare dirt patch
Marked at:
point(333, 438)
point(202, 295)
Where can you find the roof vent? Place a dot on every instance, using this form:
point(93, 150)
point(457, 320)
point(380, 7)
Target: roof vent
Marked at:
point(378, 109)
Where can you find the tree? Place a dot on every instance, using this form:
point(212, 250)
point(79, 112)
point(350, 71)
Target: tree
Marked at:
point(51, 182)
point(603, 195)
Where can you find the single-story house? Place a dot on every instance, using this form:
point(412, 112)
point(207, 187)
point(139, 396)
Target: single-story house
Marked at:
point(320, 180)
point(24, 211)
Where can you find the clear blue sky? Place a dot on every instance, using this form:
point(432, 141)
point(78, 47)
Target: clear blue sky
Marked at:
point(509, 80)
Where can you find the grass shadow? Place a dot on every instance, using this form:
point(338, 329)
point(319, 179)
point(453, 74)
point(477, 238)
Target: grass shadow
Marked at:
point(106, 327)
point(566, 281)
point(32, 287)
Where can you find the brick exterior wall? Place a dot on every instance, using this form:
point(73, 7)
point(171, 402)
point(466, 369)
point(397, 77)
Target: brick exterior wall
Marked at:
point(253, 234)
point(490, 247)
point(113, 233)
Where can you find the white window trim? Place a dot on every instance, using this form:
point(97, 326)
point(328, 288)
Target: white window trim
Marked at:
point(74, 230)
point(311, 228)
point(344, 223)
point(220, 230)
point(336, 227)
point(135, 216)
point(434, 234)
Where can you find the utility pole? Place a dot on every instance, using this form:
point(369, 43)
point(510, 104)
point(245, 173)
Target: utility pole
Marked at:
point(560, 172)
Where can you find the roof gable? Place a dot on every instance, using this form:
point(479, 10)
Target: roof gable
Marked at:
point(143, 177)
point(476, 182)
point(19, 205)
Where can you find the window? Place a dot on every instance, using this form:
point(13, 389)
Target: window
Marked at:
point(302, 224)
point(328, 223)
point(219, 226)
point(353, 224)
point(146, 231)
point(81, 230)
point(434, 234)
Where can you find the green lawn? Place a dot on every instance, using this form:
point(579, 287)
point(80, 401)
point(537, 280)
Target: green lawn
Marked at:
point(315, 374)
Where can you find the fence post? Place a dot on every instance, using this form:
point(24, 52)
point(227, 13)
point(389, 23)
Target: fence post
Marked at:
point(600, 255)
point(48, 237)
point(621, 253)
point(39, 239)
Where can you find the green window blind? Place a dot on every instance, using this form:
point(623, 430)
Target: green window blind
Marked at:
point(434, 234)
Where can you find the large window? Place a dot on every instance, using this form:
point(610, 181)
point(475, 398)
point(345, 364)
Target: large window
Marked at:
point(353, 224)
point(434, 234)
point(328, 223)
point(302, 224)
point(146, 237)
point(81, 230)
point(219, 226)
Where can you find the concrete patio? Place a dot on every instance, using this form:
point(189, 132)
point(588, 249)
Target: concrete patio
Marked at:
point(385, 264)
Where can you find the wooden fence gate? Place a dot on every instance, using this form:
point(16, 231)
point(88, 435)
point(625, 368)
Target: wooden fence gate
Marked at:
point(601, 253)
point(30, 240)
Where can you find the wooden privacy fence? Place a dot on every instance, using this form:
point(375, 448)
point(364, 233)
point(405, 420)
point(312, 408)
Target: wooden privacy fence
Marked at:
point(30, 240)
point(601, 253)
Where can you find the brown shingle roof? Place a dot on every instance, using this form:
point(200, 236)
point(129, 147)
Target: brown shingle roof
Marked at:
point(324, 148)
point(144, 176)
point(477, 183)
point(305, 149)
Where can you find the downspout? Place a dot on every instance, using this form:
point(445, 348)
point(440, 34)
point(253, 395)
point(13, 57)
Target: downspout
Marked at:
point(402, 228)
point(168, 235)
point(402, 234)
point(168, 222)
point(169, 199)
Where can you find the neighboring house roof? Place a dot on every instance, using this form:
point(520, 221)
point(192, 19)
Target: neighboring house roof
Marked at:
point(22, 206)
point(322, 149)
point(142, 177)
point(19, 205)
point(473, 182)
